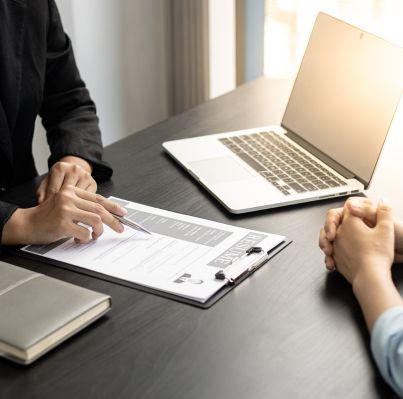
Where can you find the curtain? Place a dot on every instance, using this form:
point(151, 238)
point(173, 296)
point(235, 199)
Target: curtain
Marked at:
point(188, 54)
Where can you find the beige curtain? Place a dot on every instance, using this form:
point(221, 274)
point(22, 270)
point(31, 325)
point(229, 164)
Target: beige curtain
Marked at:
point(188, 53)
point(240, 41)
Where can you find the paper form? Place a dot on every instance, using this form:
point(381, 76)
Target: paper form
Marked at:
point(180, 257)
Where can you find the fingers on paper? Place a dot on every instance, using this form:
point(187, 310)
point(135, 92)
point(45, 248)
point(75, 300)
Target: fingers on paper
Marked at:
point(104, 208)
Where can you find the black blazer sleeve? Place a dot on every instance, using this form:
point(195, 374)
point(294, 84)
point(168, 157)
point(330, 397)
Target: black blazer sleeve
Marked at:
point(39, 74)
point(67, 111)
point(6, 210)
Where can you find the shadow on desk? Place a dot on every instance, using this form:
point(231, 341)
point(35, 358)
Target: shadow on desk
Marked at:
point(338, 289)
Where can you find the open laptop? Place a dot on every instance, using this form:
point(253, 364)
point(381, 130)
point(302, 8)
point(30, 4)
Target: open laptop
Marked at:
point(339, 112)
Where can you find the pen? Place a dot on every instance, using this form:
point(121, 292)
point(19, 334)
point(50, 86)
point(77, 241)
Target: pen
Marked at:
point(130, 223)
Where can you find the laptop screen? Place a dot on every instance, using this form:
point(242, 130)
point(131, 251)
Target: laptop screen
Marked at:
point(345, 94)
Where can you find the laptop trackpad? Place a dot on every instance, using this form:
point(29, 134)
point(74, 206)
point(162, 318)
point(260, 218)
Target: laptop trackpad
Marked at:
point(219, 170)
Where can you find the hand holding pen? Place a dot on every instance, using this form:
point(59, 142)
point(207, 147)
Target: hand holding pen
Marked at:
point(62, 215)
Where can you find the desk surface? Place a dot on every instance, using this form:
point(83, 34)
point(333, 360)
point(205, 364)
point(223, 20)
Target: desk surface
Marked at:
point(290, 331)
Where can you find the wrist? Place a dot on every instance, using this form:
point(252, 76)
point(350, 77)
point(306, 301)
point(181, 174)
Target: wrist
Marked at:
point(77, 161)
point(369, 278)
point(376, 293)
point(17, 229)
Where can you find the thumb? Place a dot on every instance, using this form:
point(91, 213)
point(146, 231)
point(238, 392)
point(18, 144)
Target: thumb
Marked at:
point(41, 191)
point(384, 215)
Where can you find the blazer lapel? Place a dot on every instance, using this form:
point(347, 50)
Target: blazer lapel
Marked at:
point(12, 17)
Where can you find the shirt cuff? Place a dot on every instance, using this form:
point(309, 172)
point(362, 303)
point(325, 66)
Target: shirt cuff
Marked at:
point(387, 347)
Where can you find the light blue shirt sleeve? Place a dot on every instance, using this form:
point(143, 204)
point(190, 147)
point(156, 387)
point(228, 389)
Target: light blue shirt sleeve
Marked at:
point(387, 347)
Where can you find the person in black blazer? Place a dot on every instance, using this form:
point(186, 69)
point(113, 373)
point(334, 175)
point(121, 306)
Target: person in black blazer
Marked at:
point(39, 76)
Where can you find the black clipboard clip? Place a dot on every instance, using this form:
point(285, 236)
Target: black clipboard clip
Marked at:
point(238, 275)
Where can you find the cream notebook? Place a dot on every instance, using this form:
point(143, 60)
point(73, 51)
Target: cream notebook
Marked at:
point(38, 312)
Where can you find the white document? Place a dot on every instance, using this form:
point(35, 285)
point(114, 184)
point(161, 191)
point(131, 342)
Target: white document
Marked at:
point(181, 257)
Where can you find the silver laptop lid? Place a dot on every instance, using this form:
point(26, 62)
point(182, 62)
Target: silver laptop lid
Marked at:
point(345, 95)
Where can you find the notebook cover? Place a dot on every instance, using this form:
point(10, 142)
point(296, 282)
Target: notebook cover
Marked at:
point(34, 306)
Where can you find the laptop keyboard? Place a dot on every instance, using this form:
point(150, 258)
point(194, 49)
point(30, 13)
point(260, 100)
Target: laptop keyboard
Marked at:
point(286, 167)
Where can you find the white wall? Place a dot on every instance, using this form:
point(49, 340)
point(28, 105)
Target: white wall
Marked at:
point(120, 48)
point(222, 46)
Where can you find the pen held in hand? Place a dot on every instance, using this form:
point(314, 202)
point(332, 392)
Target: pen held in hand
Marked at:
point(131, 224)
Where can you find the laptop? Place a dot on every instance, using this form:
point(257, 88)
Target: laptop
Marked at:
point(336, 121)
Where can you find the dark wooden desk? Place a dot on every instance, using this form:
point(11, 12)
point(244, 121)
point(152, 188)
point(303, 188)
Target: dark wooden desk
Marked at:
point(290, 331)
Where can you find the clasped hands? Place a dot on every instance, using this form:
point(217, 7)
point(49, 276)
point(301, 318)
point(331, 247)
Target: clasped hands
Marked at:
point(66, 199)
point(361, 238)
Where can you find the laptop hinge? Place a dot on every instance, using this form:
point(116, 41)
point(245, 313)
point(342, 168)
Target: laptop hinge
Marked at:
point(323, 157)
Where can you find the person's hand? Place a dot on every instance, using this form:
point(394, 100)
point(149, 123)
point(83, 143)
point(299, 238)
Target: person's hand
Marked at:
point(69, 170)
point(363, 208)
point(60, 216)
point(360, 206)
point(363, 253)
point(359, 249)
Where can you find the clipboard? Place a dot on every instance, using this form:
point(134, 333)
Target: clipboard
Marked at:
point(202, 305)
